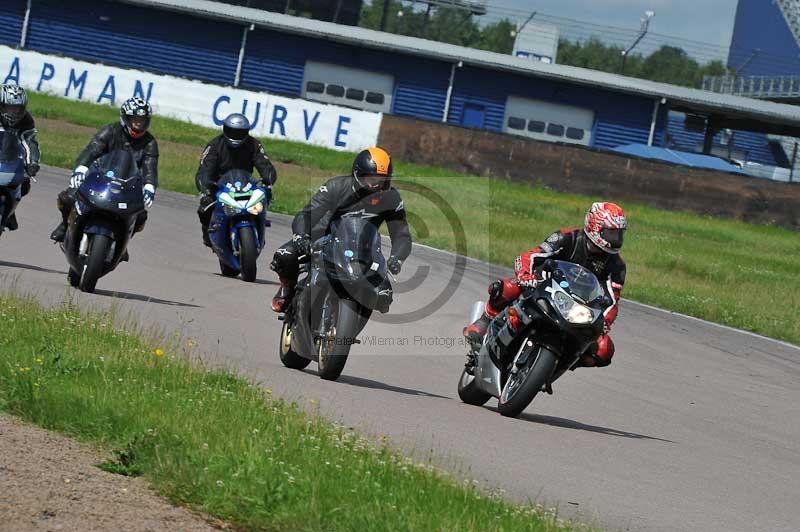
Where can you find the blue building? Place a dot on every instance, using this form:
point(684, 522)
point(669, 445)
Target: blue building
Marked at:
point(230, 45)
point(766, 38)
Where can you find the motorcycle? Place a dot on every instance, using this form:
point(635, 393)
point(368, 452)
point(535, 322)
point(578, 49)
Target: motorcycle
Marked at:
point(238, 223)
point(533, 341)
point(102, 223)
point(12, 175)
point(346, 280)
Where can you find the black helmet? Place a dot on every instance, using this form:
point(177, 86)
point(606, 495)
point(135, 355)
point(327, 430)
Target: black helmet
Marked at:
point(13, 101)
point(236, 129)
point(134, 115)
point(372, 169)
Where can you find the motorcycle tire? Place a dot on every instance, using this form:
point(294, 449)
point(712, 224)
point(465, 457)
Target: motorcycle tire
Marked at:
point(332, 358)
point(74, 278)
point(469, 392)
point(528, 381)
point(289, 357)
point(96, 258)
point(248, 253)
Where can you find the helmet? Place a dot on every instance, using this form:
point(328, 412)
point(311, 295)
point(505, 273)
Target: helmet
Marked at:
point(134, 115)
point(605, 225)
point(372, 169)
point(13, 100)
point(236, 128)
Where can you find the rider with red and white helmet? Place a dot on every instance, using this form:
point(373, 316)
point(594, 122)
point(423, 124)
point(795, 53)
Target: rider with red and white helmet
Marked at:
point(596, 246)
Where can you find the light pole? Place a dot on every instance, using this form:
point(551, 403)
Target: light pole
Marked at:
point(642, 32)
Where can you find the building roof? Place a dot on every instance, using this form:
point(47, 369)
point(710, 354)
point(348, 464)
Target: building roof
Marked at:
point(729, 111)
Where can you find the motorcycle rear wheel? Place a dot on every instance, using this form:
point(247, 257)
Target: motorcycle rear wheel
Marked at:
point(522, 387)
point(289, 357)
point(469, 392)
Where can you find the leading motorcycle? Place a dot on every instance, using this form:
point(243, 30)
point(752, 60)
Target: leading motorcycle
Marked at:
point(533, 341)
point(103, 220)
point(12, 175)
point(346, 280)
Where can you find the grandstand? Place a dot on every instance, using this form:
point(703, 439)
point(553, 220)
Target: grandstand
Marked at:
point(254, 49)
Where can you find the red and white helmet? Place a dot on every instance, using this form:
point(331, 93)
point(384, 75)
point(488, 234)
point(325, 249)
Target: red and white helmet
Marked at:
point(605, 225)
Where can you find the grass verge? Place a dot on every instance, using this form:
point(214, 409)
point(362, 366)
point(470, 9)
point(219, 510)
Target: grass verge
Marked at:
point(254, 461)
point(737, 274)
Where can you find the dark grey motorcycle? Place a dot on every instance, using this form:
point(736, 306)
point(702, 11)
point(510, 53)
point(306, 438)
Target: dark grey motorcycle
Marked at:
point(346, 277)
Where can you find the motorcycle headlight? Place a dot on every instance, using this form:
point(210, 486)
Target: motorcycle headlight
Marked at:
point(572, 311)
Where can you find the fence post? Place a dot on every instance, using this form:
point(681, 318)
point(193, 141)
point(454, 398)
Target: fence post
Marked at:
point(238, 76)
point(794, 162)
point(24, 33)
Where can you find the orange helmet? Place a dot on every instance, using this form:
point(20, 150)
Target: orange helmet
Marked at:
point(605, 225)
point(372, 169)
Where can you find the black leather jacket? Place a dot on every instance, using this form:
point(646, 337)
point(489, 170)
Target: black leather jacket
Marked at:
point(219, 157)
point(339, 196)
point(25, 130)
point(113, 137)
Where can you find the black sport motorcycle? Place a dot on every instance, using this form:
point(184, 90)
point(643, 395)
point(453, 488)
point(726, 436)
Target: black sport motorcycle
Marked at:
point(533, 341)
point(102, 222)
point(12, 174)
point(346, 280)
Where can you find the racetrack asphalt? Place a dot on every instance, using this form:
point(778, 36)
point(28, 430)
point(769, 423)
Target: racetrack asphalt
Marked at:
point(693, 426)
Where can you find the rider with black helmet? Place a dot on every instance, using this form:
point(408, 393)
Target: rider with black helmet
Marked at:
point(234, 149)
point(367, 189)
point(14, 117)
point(131, 133)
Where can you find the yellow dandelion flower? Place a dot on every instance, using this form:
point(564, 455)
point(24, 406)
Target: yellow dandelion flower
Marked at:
point(190, 343)
point(268, 391)
point(312, 401)
point(159, 352)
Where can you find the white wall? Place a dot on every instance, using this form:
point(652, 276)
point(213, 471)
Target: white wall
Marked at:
point(200, 103)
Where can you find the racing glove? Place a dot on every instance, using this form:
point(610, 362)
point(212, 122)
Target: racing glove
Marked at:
point(78, 175)
point(33, 169)
point(149, 193)
point(303, 245)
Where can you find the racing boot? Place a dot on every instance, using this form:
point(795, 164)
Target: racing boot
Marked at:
point(11, 222)
point(283, 296)
point(59, 232)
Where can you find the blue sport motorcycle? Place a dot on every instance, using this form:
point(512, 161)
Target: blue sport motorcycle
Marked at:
point(102, 223)
point(12, 175)
point(238, 224)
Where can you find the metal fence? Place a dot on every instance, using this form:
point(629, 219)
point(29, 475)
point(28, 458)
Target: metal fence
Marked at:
point(754, 86)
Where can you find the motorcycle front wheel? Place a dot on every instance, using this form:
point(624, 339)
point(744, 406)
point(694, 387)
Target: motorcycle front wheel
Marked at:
point(333, 348)
point(289, 357)
point(523, 385)
point(248, 253)
point(96, 258)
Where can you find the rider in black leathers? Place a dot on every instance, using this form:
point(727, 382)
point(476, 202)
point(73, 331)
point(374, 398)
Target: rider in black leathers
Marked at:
point(130, 134)
point(234, 149)
point(368, 189)
point(15, 117)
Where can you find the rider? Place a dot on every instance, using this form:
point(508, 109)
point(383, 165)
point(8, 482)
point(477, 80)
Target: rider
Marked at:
point(367, 190)
point(15, 117)
point(130, 134)
point(596, 247)
point(234, 149)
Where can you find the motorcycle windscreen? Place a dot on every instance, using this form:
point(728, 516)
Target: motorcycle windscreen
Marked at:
point(356, 248)
point(579, 282)
point(113, 182)
point(238, 179)
point(12, 167)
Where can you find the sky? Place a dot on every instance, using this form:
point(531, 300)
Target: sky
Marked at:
point(709, 21)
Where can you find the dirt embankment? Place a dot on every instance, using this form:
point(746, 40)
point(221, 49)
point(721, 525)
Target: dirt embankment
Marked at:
point(50, 482)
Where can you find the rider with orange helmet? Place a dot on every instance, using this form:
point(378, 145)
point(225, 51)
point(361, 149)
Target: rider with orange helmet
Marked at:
point(368, 191)
point(596, 246)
